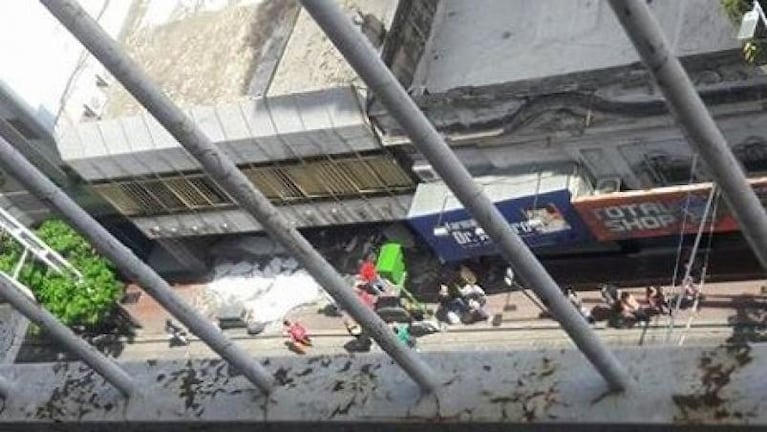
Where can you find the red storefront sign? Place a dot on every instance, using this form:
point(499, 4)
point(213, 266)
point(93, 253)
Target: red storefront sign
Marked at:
point(656, 212)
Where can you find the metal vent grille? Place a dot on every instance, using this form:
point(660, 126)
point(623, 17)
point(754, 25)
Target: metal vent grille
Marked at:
point(312, 180)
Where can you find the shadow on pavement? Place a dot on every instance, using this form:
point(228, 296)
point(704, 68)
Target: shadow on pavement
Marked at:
point(109, 339)
point(749, 323)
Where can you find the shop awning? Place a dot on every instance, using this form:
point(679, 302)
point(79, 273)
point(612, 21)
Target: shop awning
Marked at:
point(537, 205)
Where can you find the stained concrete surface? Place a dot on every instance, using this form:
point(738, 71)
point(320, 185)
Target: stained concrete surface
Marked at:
point(311, 62)
point(514, 40)
point(200, 52)
point(674, 387)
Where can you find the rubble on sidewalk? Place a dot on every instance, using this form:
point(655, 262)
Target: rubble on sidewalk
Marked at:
point(259, 293)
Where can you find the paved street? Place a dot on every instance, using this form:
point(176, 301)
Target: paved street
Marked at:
point(521, 327)
point(463, 339)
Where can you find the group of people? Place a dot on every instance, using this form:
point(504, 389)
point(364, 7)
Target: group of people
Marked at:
point(461, 298)
point(625, 307)
point(464, 304)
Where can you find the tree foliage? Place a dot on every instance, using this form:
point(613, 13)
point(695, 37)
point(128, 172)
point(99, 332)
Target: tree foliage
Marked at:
point(76, 303)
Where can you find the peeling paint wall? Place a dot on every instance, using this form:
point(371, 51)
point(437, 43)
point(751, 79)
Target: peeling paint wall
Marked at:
point(311, 62)
point(675, 386)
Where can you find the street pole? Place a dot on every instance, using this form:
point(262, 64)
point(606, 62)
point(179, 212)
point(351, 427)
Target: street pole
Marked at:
point(363, 58)
point(233, 181)
point(63, 335)
point(703, 134)
point(129, 264)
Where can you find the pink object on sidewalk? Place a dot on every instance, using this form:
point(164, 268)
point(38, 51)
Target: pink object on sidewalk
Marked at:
point(297, 332)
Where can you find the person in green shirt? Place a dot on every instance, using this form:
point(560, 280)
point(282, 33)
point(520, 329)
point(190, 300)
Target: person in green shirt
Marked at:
point(403, 335)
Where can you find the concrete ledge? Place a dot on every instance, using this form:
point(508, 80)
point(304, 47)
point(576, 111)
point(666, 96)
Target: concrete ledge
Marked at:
point(680, 387)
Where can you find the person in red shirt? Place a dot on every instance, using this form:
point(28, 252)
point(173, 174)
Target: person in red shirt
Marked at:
point(369, 275)
point(297, 334)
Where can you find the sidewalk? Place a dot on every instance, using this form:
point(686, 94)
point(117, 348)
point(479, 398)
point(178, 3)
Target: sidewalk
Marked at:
point(726, 303)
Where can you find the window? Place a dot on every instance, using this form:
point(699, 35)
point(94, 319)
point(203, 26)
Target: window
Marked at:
point(665, 170)
point(163, 196)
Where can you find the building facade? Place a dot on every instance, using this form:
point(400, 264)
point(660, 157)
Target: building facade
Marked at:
point(524, 91)
point(545, 84)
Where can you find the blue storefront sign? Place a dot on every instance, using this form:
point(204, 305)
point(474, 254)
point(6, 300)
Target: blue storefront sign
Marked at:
point(546, 219)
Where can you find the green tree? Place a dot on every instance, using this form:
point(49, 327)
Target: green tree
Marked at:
point(76, 303)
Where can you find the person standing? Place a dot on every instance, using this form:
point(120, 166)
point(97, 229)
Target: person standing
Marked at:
point(369, 275)
point(176, 334)
point(610, 294)
point(576, 301)
point(656, 299)
point(403, 335)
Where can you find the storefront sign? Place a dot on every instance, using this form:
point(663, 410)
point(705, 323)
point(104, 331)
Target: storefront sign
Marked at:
point(545, 220)
point(656, 212)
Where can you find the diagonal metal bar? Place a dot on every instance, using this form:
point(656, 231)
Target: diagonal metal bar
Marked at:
point(363, 58)
point(228, 176)
point(90, 355)
point(693, 117)
point(129, 264)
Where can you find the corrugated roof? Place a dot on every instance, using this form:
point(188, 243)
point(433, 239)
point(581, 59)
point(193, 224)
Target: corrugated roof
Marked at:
point(259, 130)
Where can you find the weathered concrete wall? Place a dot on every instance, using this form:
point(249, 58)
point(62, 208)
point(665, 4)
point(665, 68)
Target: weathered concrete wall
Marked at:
point(609, 120)
point(513, 40)
point(311, 62)
point(406, 41)
point(675, 386)
point(313, 214)
point(199, 52)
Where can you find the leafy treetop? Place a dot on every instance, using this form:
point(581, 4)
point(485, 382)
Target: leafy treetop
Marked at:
point(83, 303)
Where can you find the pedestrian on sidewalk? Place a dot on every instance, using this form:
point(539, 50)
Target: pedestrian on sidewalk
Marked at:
point(365, 297)
point(298, 336)
point(369, 274)
point(656, 299)
point(176, 334)
point(475, 297)
point(362, 341)
point(574, 300)
point(452, 307)
point(631, 308)
point(610, 294)
point(403, 335)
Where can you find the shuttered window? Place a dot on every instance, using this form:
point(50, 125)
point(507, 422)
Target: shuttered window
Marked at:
point(283, 184)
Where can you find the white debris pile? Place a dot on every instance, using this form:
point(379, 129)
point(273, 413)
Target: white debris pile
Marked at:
point(266, 294)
